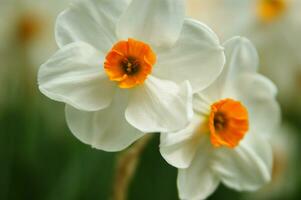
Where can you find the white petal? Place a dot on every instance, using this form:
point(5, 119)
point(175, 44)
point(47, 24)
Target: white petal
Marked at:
point(178, 148)
point(74, 75)
point(202, 103)
point(91, 21)
point(157, 22)
point(264, 87)
point(106, 129)
point(160, 106)
point(248, 166)
point(258, 94)
point(241, 55)
point(197, 57)
point(241, 58)
point(198, 181)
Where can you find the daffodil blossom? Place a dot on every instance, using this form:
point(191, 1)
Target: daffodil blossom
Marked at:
point(228, 138)
point(29, 24)
point(26, 40)
point(274, 26)
point(123, 68)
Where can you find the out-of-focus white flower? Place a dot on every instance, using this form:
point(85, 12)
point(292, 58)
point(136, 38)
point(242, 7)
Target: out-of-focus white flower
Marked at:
point(26, 40)
point(28, 24)
point(228, 139)
point(122, 68)
point(274, 26)
point(285, 170)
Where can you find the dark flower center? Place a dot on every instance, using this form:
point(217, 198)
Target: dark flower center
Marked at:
point(220, 121)
point(130, 65)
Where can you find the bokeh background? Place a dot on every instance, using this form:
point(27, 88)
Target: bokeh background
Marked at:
point(41, 160)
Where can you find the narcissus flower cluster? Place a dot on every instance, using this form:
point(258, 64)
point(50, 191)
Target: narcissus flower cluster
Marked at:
point(128, 68)
point(124, 73)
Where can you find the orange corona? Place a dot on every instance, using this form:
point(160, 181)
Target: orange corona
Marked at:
point(228, 123)
point(268, 10)
point(129, 63)
point(29, 27)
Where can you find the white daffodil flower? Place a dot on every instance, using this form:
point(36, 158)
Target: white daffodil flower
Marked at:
point(28, 25)
point(123, 68)
point(26, 40)
point(228, 139)
point(274, 26)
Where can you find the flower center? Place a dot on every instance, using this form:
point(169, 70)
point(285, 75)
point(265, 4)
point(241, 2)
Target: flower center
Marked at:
point(220, 121)
point(269, 10)
point(228, 123)
point(129, 63)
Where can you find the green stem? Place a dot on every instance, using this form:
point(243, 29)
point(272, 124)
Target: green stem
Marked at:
point(126, 166)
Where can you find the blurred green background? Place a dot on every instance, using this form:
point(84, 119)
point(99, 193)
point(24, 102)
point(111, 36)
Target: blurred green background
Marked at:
point(41, 160)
